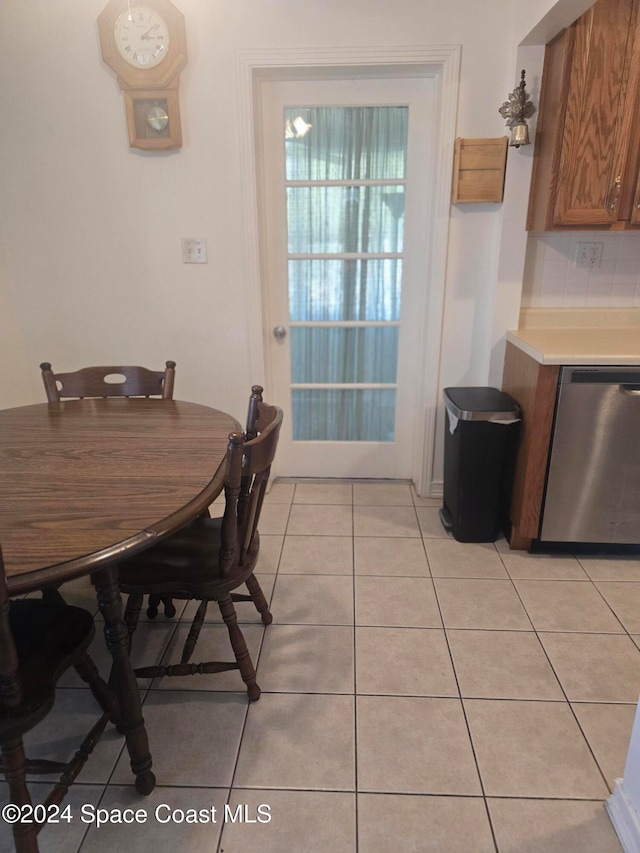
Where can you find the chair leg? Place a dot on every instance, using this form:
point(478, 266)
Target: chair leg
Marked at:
point(132, 614)
point(123, 679)
point(154, 602)
point(25, 836)
point(240, 650)
point(73, 767)
point(169, 607)
point(257, 596)
point(194, 632)
point(103, 694)
point(152, 609)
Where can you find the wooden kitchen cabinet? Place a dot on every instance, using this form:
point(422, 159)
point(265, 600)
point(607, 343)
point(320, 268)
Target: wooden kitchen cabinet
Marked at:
point(586, 159)
point(533, 386)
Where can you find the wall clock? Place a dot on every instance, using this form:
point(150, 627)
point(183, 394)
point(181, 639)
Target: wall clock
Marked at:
point(145, 44)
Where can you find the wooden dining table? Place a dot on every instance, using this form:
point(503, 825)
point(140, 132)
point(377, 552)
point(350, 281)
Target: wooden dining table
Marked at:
point(86, 483)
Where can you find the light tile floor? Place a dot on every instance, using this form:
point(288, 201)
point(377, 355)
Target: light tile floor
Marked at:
point(419, 694)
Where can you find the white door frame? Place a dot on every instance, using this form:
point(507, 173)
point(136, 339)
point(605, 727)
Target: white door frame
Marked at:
point(440, 61)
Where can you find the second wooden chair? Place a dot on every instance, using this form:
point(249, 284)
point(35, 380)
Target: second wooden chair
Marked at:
point(114, 381)
point(212, 557)
point(129, 381)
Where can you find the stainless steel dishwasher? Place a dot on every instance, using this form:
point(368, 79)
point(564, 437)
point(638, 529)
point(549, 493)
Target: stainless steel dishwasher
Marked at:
point(593, 485)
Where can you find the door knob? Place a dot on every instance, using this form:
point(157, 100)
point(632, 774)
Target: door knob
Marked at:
point(279, 333)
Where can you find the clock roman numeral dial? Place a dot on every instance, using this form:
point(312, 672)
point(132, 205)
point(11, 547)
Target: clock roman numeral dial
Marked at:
point(142, 37)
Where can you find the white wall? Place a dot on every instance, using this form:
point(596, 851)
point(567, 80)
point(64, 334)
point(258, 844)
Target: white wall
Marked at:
point(15, 378)
point(538, 21)
point(513, 237)
point(91, 228)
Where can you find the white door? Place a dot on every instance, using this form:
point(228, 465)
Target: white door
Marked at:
point(346, 173)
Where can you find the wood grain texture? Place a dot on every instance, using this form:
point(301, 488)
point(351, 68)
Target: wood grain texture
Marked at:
point(479, 170)
point(141, 135)
point(598, 120)
point(630, 196)
point(587, 150)
point(84, 481)
point(534, 387)
point(548, 141)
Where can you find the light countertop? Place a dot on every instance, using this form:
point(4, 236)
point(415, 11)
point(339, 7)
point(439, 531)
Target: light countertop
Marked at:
point(579, 345)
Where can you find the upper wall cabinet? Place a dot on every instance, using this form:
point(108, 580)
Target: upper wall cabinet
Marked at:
point(586, 169)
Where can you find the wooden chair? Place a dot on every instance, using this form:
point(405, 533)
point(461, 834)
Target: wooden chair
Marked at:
point(251, 432)
point(211, 557)
point(127, 381)
point(39, 641)
point(109, 382)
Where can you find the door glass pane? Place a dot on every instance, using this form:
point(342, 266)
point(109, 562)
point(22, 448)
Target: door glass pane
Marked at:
point(334, 220)
point(345, 290)
point(343, 415)
point(346, 143)
point(352, 162)
point(344, 355)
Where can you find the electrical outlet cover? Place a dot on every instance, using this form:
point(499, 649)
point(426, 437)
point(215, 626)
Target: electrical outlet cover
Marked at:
point(194, 250)
point(588, 255)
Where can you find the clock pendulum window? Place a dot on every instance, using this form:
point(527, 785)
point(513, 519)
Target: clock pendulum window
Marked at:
point(145, 44)
point(150, 117)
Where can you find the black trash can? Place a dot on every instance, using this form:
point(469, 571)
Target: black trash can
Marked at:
point(480, 442)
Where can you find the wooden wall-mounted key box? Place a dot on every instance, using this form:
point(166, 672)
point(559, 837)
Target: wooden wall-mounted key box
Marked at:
point(478, 170)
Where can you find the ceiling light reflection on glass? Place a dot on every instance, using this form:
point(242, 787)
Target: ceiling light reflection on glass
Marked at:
point(296, 129)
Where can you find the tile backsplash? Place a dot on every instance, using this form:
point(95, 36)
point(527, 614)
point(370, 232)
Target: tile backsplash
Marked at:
point(551, 280)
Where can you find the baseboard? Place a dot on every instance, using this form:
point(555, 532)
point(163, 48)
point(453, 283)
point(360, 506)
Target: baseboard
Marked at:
point(437, 489)
point(625, 818)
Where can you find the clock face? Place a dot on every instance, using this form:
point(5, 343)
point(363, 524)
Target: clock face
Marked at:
point(142, 37)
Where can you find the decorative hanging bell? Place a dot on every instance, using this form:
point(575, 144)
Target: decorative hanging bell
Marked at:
point(515, 111)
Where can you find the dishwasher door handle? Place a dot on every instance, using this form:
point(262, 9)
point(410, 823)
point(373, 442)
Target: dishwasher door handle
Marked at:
point(631, 390)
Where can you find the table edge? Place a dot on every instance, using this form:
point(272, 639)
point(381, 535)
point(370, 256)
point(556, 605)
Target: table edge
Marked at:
point(25, 582)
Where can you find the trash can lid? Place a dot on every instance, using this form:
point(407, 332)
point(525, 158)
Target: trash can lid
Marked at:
point(481, 404)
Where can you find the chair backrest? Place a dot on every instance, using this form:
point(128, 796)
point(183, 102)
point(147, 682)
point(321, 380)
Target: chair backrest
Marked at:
point(122, 381)
point(232, 488)
point(254, 412)
point(10, 687)
point(258, 454)
point(248, 465)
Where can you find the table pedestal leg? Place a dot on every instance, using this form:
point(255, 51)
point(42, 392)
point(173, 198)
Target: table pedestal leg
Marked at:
point(123, 679)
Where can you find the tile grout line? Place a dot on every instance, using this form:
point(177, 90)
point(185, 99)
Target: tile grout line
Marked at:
point(564, 692)
point(246, 716)
point(485, 797)
point(355, 677)
point(147, 690)
point(466, 719)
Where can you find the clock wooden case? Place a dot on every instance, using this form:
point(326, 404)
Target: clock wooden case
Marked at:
point(145, 44)
point(153, 118)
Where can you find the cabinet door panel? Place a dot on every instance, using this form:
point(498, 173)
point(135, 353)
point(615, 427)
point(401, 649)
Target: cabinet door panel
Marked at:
point(635, 210)
point(630, 207)
point(598, 118)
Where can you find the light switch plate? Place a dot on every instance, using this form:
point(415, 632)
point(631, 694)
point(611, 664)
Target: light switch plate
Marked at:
point(194, 250)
